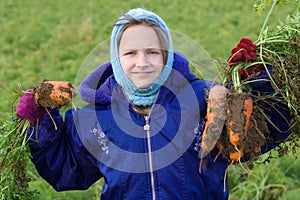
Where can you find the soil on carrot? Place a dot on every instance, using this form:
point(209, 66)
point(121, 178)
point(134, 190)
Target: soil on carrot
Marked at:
point(251, 140)
point(215, 117)
point(53, 94)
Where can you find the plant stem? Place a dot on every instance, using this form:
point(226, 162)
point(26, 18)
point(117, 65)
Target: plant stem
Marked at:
point(267, 19)
point(236, 79)
point(271, 41)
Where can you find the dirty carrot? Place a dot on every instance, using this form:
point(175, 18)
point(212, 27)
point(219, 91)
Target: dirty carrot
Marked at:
point(239, 114)
point(15, 153)
point(215, 118)
point(248, 109)
point(235, 156)
point(238, 123)
point(53, 94)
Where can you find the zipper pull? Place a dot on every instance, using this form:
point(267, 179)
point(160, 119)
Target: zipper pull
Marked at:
point(147, 126)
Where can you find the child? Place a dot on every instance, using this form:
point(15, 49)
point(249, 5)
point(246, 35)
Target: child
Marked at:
point(140, 128)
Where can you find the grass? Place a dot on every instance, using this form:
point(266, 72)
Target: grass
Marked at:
point(46, 192)
point(50, 39)
point(278, 179)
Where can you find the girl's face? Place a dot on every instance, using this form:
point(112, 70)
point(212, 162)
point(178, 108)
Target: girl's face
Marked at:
point(141, 56)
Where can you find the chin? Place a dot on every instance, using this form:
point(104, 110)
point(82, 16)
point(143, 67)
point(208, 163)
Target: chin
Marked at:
point(142, 86)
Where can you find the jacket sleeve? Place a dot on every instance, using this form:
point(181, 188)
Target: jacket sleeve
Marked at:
point(277, 113)
point(59, 155)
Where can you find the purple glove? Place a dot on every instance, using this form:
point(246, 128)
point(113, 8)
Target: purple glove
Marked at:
point(28, 108)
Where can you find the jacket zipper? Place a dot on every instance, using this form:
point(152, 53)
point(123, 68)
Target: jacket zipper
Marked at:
point(147, 129)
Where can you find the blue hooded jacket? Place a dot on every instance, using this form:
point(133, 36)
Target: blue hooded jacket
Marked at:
point(138, 157)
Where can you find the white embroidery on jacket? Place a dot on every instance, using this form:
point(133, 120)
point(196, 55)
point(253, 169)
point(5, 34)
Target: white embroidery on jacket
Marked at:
point(101, 138)
point(198, 131)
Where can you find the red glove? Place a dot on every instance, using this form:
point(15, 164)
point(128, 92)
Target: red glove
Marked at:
point(245, 73)
point(245, 51)
point(28, 108)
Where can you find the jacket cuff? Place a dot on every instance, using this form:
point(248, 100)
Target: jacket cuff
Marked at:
point(48, 130)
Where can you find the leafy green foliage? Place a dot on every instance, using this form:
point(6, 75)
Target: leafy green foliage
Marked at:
point(14, 156)
point(280, 48)
point(262, 5)
point(276, 180)
point(277, 47)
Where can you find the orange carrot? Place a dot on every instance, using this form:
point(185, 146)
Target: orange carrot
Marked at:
point(256, 149)
point(248, 109)
point(215, 118)
point(235, 156)
point(53, 94)
point(238, 124)
point(234, 137)
point(239, 114)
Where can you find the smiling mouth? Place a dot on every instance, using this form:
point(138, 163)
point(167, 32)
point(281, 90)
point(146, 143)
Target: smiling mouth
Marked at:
point(141, 73)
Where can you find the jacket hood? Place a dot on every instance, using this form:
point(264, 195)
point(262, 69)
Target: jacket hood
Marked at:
point(97, 87)
point(139, 96)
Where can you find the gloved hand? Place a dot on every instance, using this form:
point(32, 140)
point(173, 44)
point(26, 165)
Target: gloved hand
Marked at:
point(28, 108)
point(250, 71)
point(245, 51)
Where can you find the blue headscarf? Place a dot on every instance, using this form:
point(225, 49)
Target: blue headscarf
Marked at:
point(139, 96)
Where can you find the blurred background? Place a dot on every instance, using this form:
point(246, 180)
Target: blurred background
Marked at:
point(51, 39)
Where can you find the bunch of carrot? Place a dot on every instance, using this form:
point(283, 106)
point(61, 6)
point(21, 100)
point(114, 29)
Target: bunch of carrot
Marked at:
point(14, 152)
point(234, 111)
point(230, 126)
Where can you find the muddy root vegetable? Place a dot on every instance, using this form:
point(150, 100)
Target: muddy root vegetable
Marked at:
point(239, 112)
point(215, 118)
point(235, 156)
point(53, 94)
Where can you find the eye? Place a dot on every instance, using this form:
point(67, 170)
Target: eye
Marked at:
point(154, 51)
point(129, 53)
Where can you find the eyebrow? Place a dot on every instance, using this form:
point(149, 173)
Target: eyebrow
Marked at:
point(147, 48)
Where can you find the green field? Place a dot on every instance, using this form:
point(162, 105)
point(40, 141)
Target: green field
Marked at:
point(51, 39)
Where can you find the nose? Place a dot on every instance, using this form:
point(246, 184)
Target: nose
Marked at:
point(141, 60)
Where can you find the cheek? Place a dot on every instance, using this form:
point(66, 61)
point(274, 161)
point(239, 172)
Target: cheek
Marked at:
point(125, 64)
point(159, 72)
point(159, 65)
